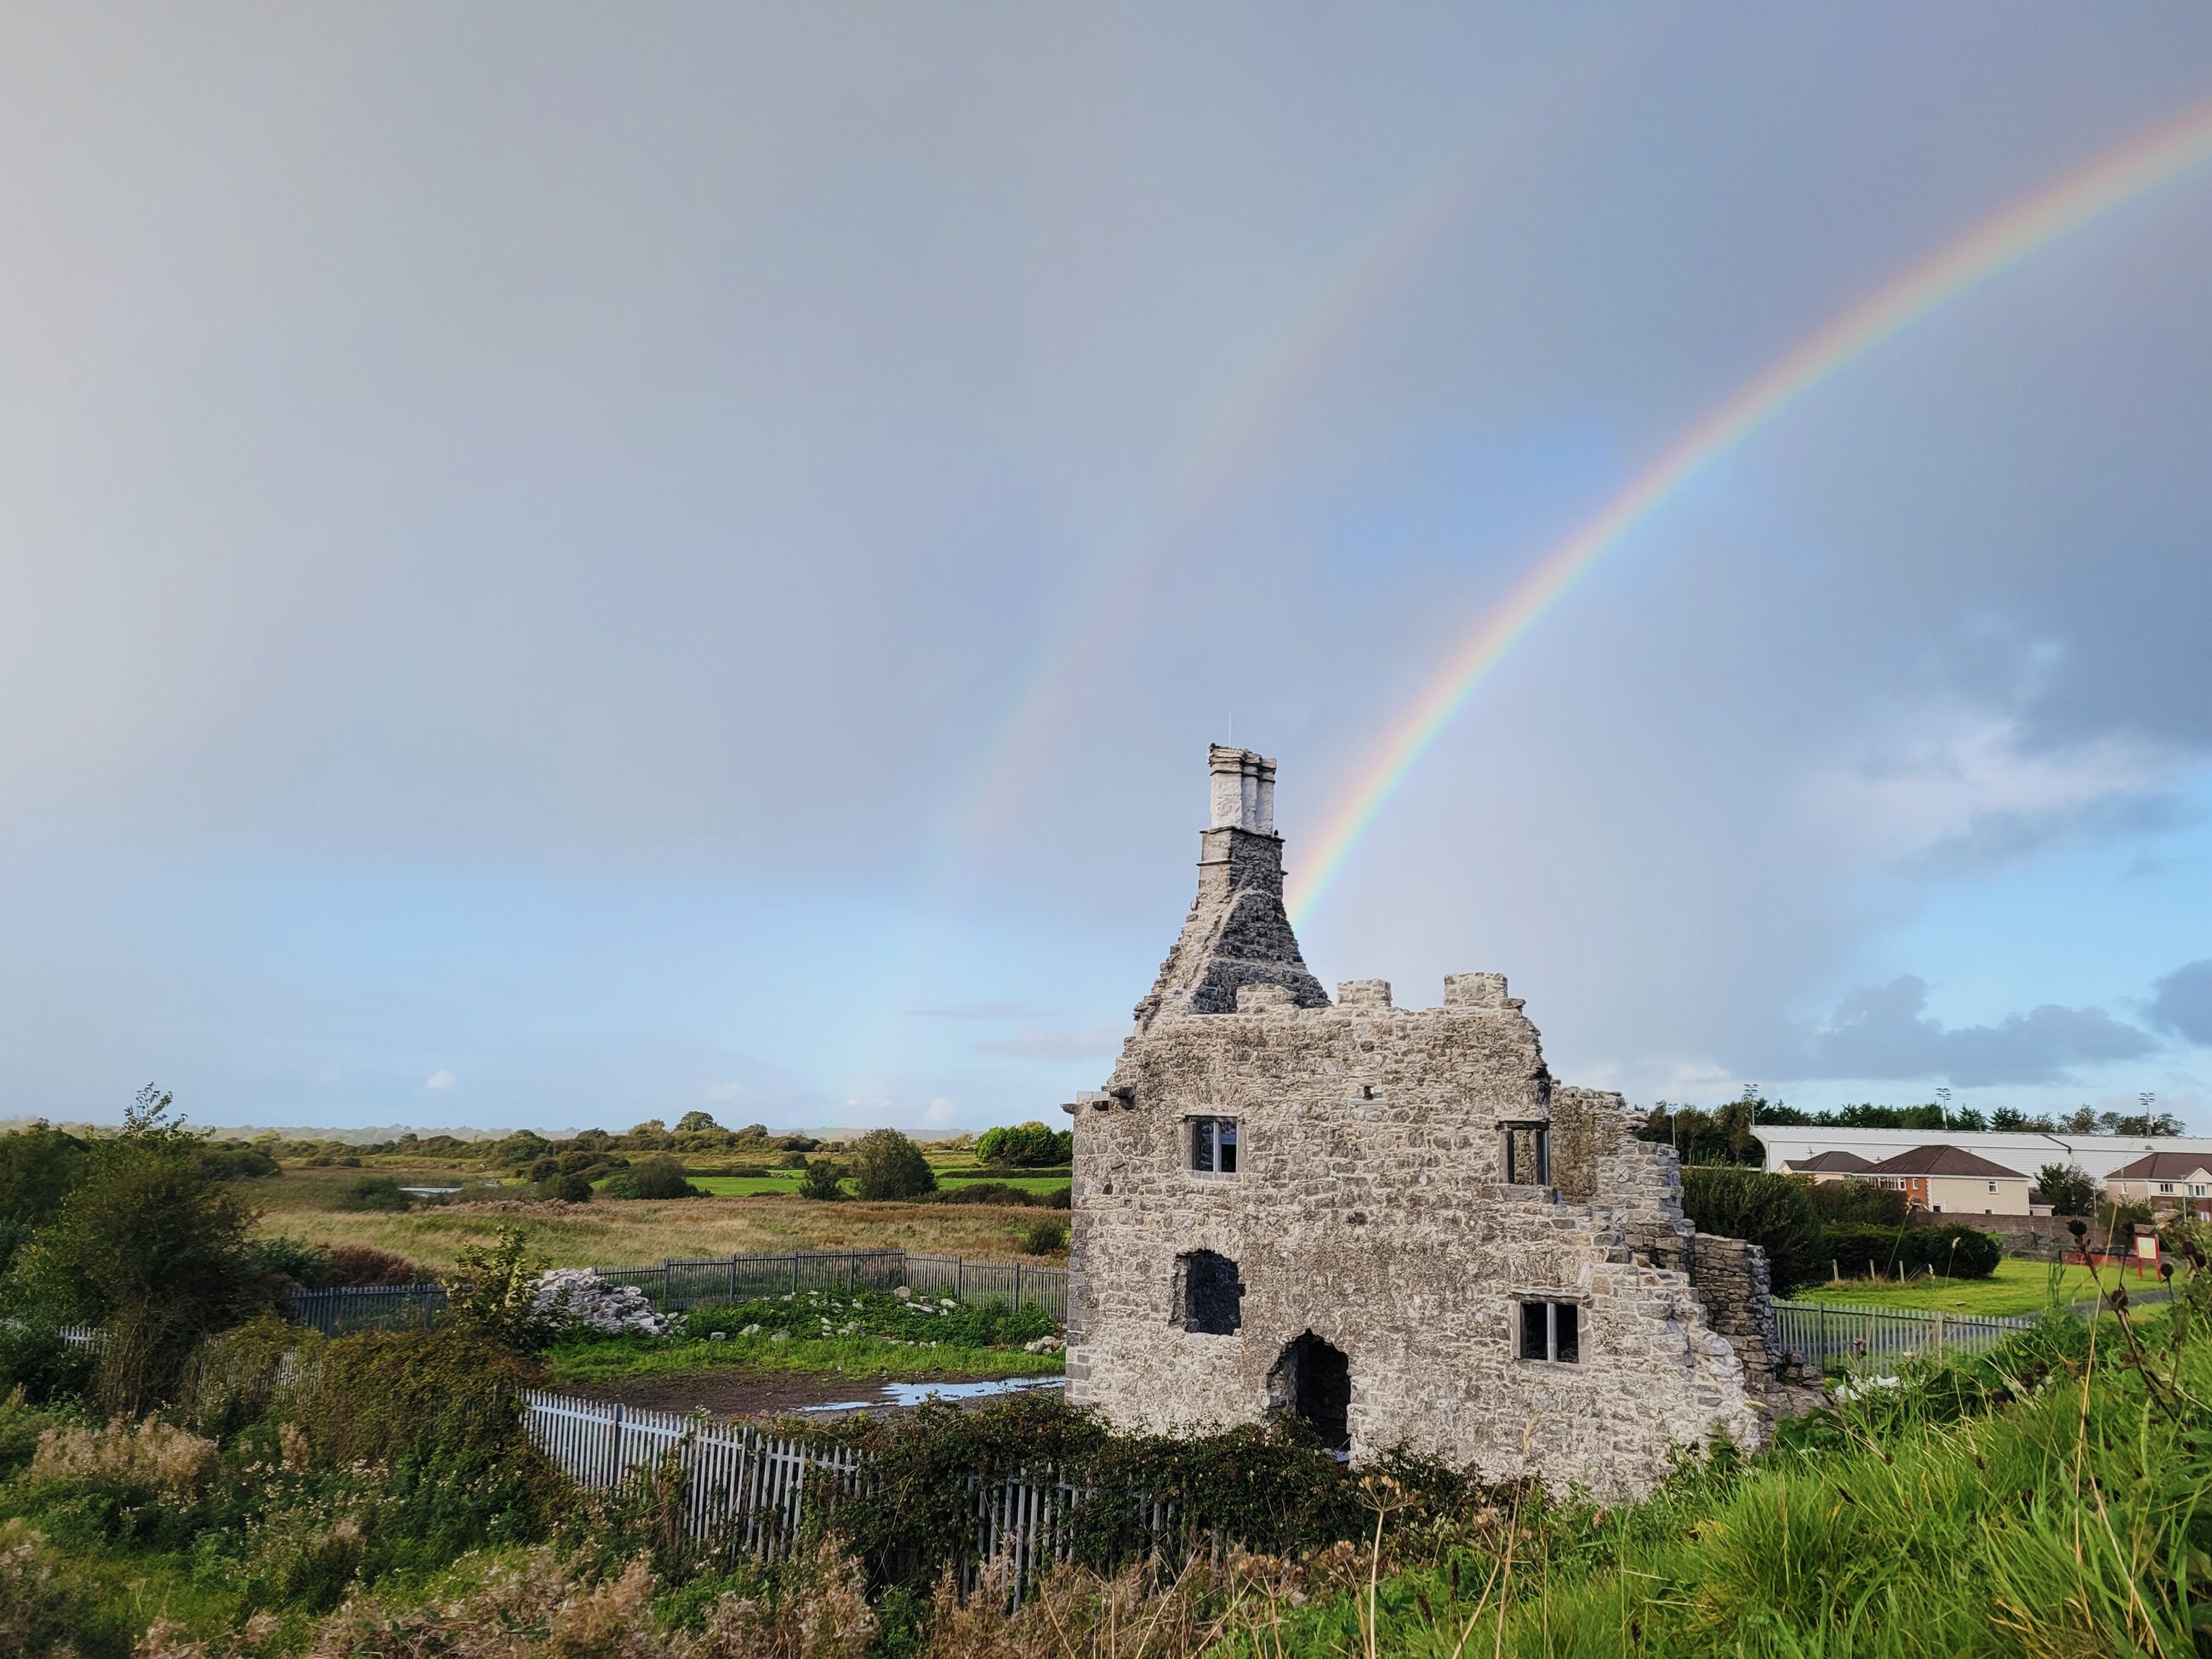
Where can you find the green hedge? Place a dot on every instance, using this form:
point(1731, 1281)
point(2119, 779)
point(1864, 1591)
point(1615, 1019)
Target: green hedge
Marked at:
point(1956, 1252)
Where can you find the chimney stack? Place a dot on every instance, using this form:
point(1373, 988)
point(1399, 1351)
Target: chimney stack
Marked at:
point(1243, 789)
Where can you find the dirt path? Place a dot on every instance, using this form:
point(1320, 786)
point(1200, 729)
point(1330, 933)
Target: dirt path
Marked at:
point(734, 1392)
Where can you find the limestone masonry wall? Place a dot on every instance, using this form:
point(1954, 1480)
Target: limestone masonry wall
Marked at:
point(1368, 1209)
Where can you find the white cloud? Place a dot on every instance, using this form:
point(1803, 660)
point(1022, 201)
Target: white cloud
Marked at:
point(938, 1113)
point(725, 1091)
point(440, 1079)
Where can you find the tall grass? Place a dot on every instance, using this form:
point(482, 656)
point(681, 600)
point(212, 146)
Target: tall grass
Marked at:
point(2051, 1499)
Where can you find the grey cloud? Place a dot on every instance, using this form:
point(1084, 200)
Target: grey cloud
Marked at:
point(2183, 1002)
point(1040, 1044)
point(1993, 840)
point(1883, 1031)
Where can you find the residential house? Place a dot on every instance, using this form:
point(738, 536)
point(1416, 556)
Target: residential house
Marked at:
point(1951, 1180)
point(2180, 1182)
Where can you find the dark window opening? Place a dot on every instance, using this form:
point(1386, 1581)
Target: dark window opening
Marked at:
point(1209, 1296)
point(1528, 1154)
point(1213, 1146)
point(1552, 1331)
point(1314, 1380)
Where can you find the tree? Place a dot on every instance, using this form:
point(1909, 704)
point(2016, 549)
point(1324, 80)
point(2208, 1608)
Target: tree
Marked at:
point(1732, 1123)
point(492, 1295)
point(39, 1168)
point(2082, 1121)
point(148, 1246)
point(655, 1177)
point(887, 1165)
point(1770, 1210)
point(2067, 1190)
point(822, 1179)
point(1025, 1146)
point(694, 1123)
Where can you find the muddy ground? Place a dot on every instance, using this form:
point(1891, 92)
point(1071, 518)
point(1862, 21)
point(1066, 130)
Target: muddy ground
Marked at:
point(731, 1391)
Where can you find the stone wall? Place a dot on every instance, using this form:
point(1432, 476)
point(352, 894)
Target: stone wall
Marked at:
point(1369, 1210)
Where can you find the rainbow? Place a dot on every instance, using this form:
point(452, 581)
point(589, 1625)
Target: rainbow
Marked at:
point(1264, 398)
point(2067, 203)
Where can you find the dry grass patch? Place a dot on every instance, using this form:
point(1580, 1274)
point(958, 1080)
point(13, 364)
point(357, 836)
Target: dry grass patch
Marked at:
point(640, 1231)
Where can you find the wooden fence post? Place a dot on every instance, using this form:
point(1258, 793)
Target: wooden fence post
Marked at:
point(1018, 1287)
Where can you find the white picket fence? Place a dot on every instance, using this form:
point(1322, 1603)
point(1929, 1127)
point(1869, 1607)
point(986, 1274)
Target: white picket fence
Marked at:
point(1825, 1333)
point(748, 1491)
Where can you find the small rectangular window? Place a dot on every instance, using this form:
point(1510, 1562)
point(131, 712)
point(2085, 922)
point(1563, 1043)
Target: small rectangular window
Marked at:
point(1552, 1331)
point(1993, 1186)
point(1213, 1146)
point(1528, 1154)
point(2166, 1186)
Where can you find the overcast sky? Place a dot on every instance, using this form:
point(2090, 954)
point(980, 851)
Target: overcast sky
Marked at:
point(560, 565)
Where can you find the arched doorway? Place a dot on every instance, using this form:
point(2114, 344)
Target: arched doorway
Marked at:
point(1313, 1379)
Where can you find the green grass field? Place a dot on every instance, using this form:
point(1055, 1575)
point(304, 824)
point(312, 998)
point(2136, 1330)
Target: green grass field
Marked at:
point(2018, 1286)
point(605, 1361)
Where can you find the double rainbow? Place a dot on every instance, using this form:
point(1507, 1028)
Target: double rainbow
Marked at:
point(2156, 158)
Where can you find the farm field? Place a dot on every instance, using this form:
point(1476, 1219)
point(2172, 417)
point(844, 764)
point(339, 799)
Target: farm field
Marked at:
point(305, 1204)
point(2018, 1286)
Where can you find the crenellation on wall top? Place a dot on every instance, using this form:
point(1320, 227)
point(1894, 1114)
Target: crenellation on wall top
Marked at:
point(1364, 994)
point(1478, 991)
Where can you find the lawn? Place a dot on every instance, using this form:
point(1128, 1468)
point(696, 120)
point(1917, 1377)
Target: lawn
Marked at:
point(2018, 1286)
point(867, 1334)
point(631, 1232)
point(583, 1363)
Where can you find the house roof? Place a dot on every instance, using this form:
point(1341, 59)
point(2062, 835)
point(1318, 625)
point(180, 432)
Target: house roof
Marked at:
point(1941, 1160)
point(2164, 1166)
point(1839, 1161)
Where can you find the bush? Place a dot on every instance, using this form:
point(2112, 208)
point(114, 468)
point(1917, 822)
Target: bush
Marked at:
point(34, 1359)
point(364, 1264)
point(984, 1192)
point(294, 1260)
point(374, 1193)
point(887, 1165)
point(41, 1617)
point(1861, 1202)
point(1956, 1252)
point(574, 1188)
point(39, 1167)
point(1044, 1238)
point(147, 1247)
point(492, 1296)
point(1773, 1212)
point(1026, 1146)
point(442, 1412)
point(822, 1180)
point(658, 1177)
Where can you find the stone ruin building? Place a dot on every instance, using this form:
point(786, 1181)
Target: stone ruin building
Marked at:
point(1392, 1221)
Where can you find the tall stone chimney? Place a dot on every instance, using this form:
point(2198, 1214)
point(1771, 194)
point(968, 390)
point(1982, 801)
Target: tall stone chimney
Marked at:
point(1243, 789)
point(1238, 932)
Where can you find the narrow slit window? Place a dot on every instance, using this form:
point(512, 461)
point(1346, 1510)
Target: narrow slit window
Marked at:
point(1552, 1331)
point(1528, 1154)
point(1213, 1146)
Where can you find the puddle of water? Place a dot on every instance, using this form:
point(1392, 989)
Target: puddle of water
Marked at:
point(913, 1393)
